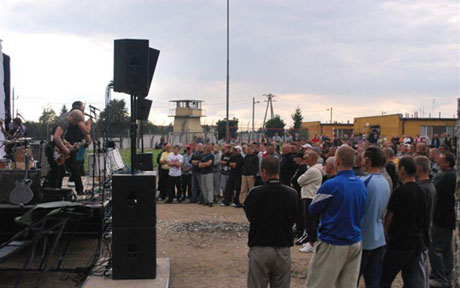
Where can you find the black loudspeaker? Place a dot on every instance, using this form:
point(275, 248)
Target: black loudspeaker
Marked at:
point(134, 222)
point(7, 184)
point(143, 109)
point(131, 66)
point(153, 59)
point(144, 162)
point(134, 253)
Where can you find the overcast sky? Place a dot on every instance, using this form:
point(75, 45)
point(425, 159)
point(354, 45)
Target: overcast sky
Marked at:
point(360, 57)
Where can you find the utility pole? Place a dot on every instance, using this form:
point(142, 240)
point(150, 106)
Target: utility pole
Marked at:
point(269, 104)
point(254, 102)
point(330, 109)
point(227, 124)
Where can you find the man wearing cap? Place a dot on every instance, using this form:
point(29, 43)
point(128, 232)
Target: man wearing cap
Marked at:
point(233, 188)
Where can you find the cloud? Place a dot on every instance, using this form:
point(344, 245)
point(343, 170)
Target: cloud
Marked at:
point(359, 57)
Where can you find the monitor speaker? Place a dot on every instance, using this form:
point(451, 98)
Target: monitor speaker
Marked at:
point(144, 162)
point(143, 109)
point(134, 222)
point(131, 66)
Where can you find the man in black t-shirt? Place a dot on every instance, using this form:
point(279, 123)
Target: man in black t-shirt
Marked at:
point(233, 188)
point(196, 175)
point(404, 225)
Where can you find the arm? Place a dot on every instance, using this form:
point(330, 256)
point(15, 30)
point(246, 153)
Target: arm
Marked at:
point(322, 198)
point(309, 177)
point(205, 164)
point(85, 128)
point(58, 140)
point(387, 221)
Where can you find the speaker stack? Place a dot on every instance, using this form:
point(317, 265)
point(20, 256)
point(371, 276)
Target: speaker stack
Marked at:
point(134, 224)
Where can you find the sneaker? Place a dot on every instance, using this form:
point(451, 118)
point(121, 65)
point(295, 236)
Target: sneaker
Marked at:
point(224, 204)
point(307, 248)
point(210, 204)
point(167, 201)
point(302, 239)
point(174, 200)
point(238, 205)
point(233, 204)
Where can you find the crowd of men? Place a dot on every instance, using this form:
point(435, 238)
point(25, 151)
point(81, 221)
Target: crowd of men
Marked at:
point(362, 208)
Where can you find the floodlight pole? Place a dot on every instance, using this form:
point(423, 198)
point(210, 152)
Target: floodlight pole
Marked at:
point(227, 124)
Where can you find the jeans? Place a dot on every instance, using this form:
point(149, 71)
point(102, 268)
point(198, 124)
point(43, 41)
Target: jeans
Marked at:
point(441, 254)
point(216, 181)
point(406, 261)
point(207, 187)
point(186, 186)
point(196, 187)
point(232, 190)
point(174, 182)
point(371, 266)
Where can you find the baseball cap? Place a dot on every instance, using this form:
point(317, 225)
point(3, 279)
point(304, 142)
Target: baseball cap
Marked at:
point(306, 146)
point(237, 147)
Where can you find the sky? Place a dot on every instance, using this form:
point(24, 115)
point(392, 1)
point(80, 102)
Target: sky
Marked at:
point(361, 57)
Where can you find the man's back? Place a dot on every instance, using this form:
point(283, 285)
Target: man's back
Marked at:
point(407, 204)
point(340, 203)
point(271, 210)
point(378, 194)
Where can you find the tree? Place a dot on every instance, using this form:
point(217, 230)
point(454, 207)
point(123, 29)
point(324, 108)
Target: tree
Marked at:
point(48, 116)
point(297, 118)
point(221, 128)
point(275, 125)
point(63, 110)
point(119, 118)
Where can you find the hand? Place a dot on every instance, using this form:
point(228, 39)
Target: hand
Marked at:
point(66, 151)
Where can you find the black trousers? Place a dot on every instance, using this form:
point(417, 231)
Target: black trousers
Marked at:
point(54, 177)
point(72, 165)
point(300, 226)
point(311, 221)
point(186, 186)
point(163, 182)
point(233, 189)
point(173, 184)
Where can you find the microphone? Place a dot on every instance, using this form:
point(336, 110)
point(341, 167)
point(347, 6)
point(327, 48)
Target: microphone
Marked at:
point(92, 107)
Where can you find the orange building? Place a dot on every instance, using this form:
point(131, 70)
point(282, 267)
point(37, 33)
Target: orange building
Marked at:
point(327, 129)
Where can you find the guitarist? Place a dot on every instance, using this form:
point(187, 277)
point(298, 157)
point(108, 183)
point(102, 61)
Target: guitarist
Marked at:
point(75, 118)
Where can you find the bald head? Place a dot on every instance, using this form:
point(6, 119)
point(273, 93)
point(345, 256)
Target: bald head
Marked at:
point(344, 158)
point(75, 116)
point(311, 158)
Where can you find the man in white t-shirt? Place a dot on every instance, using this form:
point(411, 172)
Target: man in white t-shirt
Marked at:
point(175, 161)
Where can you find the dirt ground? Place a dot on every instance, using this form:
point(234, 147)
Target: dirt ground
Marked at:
point(207, 248)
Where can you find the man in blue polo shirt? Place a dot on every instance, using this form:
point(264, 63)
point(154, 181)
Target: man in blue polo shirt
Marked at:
point(378, 194)
point(340, 204)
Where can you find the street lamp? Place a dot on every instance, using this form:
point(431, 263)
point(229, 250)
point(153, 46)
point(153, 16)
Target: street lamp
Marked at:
point(330, 109)
point(254, 102)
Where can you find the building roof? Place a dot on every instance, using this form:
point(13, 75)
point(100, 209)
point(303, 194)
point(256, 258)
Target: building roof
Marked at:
point(430, 119)
point(187, 100)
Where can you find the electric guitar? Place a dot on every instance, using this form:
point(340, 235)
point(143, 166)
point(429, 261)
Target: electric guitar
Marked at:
point(22, 194)
point(60, 157)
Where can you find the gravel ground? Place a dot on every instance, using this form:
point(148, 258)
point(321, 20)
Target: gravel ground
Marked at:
point(207, 248)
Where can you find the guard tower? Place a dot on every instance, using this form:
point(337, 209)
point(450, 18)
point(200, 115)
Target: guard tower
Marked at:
point(187, 114)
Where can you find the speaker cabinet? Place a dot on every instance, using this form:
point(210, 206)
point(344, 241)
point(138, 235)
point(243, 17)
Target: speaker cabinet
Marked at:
point(7, 184)
point(133, 200)
point(143, 109)
point(134, 253)
point(131, 66)
point(134, 222)
point(144, 162)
